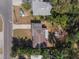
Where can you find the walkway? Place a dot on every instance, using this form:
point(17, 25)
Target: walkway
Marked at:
point(1, 38)
point(1, 45)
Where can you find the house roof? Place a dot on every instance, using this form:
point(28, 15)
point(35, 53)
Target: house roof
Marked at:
point(36, 56)
point(41, 8)
point(38, 36)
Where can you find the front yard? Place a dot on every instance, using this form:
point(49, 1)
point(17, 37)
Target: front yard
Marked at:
point(22, 33)
point(17, 19)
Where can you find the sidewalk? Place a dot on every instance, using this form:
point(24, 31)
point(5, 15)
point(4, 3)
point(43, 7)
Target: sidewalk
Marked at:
point(21, 26)
point(1, 39)
point(1, 44)
point(1, 56)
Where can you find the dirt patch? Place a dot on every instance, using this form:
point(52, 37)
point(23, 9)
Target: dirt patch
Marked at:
point(1, 24)
point(22, 33)
point(17, 19)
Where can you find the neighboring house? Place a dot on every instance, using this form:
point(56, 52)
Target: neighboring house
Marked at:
point(39, 35)
point(41, 7)
point(36, 57)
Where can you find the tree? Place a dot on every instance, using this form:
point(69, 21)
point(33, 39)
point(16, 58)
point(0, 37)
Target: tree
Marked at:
point(26, 6)
point(62, 21)
point(20, 45)
point(53, 2)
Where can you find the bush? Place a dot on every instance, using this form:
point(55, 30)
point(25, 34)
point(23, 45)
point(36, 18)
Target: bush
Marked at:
point(26, 5)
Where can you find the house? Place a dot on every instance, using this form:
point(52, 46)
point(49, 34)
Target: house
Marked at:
point(41, 7)
point(39, 35)
point(36, 56)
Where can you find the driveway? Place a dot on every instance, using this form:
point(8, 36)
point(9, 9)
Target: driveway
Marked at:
point(17, 2)
point(21, 26)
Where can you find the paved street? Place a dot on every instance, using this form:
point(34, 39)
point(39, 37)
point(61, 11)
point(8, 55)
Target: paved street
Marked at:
point(6, 12)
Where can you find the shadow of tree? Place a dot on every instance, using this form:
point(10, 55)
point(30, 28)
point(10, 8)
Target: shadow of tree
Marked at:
point(23, 43)
point(41, 45)
point(21, 57)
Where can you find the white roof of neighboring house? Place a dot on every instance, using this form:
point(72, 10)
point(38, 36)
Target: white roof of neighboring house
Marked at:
point(36, 56)
point(17, 2)
point(41, 8)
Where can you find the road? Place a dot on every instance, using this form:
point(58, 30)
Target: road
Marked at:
point(6, 12)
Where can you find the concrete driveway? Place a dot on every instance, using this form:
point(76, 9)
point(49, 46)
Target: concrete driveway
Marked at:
point(21, 26)
point(17, 2)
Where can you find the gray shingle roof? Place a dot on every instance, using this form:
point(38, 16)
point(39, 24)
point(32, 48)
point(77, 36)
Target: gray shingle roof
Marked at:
point(41, 8)
point(38, 35)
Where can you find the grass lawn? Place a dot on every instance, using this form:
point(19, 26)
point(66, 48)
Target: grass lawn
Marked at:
point(0, 24)
point(22, 33)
